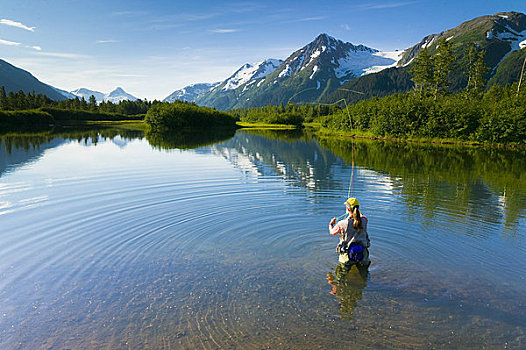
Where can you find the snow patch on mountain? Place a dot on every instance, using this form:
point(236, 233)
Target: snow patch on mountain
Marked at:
point(358, 63)
point(517, 40)
point(314, 70)
point(285, 72)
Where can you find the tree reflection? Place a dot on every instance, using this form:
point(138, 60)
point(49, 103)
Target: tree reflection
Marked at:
point(484, 181)
point(187, 139)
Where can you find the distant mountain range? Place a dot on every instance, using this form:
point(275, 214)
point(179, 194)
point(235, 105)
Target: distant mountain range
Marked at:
point(327, 70)
point(307, 75)
point(16, 79)
point(115, 96)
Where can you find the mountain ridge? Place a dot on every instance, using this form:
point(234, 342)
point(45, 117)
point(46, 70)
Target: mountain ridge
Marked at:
point(115, 96)
point(500, 35)
point(322, 65)
point(15, 79)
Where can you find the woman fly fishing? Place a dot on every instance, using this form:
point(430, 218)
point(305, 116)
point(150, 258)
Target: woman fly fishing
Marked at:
point(354, 240)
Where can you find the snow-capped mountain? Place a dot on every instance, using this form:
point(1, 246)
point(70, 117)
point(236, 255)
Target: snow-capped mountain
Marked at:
point(248, 77)
point(344, 59)
point(114, 96)
point(250, 74)
point(501, 36)
point(86, 93)
point(189, 93)
point(118, 95)
point(309, 73)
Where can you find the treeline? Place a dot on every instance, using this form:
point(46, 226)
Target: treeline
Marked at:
point(178, 115)
point(16, 101)
point(28, 119)
point(497, 116)
point(431, 111)
point(290, 114)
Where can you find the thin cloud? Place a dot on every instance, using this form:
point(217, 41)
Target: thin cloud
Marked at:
point(60, 54)
point(224, 30)
point(38, 48)
point(105, 41)
point(129, 13)
point(309, 19)
point(387, 5)
point(8, 43)
point(11, 23)
point(346, 27)
point(305, 19)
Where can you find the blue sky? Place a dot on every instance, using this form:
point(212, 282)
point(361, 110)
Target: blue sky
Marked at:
point(151, 48)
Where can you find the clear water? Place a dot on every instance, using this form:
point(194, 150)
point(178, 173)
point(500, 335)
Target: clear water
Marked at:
point(113, 240)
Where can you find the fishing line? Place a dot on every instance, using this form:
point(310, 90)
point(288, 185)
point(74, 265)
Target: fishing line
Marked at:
point(350, 190)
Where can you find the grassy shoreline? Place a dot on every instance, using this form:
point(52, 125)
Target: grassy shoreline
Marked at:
point(324, 132)
point(246, 125)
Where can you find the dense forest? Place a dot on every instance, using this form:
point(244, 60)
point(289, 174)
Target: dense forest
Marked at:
point(15, 101)
point(37, 111)
point(291, 114)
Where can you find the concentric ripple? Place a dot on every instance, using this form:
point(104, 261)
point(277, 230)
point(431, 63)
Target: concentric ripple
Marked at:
point(226, 247)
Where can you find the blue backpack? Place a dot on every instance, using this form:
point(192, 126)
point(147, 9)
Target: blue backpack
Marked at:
point(356, 252)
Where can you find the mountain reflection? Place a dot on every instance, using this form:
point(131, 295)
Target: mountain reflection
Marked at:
point(480, 183)
point(18, 149)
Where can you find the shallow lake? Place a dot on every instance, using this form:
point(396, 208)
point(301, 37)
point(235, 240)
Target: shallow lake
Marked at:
point(119, 240)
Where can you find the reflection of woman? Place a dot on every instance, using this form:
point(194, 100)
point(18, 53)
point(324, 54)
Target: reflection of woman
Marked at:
point(348, 283)
point(354, 240)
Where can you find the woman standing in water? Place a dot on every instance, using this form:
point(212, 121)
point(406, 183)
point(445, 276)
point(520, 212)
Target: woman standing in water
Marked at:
point(354, 240)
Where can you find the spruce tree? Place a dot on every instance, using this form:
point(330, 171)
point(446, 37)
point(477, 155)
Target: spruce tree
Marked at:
point(443, 65)
point(479, 72)
point(92, 103)
point(422, 71)
point(4, 103)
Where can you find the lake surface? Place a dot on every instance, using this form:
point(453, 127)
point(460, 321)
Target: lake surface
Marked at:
point(114, 239)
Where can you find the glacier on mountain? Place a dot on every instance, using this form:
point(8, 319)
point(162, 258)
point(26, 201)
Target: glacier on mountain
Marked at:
point(359, 63)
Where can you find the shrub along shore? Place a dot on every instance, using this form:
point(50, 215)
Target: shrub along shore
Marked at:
point(497, 116)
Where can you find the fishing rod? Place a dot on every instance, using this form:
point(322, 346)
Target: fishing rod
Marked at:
point(350, 190)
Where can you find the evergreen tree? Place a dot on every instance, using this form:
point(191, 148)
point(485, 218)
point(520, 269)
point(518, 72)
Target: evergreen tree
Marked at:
point(92, 103)
point(4, 103)
point(479, 72)
point(476, 69)
point(422, 71)
point(443, 66)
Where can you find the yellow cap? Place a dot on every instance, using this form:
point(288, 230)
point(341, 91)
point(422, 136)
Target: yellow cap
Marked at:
point(352, 202)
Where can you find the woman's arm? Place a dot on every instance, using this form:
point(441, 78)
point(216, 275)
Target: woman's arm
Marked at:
point(334, 229)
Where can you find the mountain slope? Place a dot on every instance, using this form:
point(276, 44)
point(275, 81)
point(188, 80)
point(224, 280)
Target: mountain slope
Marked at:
point(501, 35)
point(115, 96)
point(189, 93)
point(119, 95)
point(308, 74)
point(15, 79)
point(225, 94)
